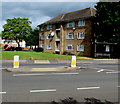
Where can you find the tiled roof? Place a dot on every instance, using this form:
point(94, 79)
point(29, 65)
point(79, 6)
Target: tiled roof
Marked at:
point(84, 13)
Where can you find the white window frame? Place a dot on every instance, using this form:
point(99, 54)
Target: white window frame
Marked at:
point(49, 27)
point(42, 45)
point(81, 35)
point(70, 36)
point(49, 46)
point(69, 45)
point(41, 37)
point(81, 23)
point(70, 24)
point(81, 48)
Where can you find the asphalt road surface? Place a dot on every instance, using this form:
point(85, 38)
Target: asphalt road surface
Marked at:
point(94, 80)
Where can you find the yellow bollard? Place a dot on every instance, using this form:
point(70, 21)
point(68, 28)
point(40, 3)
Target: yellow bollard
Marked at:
point(73, 61)
point(16, 62)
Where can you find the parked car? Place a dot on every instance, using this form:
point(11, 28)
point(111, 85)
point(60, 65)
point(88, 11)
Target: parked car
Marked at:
point(11, 48)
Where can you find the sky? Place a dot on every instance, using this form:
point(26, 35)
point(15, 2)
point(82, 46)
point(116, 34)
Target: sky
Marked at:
point(39, 11)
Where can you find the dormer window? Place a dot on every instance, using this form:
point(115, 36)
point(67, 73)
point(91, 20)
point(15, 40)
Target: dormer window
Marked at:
point(81, 23)
point(70, 24)
point(49, 27)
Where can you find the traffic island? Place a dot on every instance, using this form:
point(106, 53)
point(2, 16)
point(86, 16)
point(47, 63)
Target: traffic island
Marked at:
point(53, 69)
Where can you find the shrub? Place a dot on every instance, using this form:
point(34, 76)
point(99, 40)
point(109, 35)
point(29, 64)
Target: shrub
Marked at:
point(17, 48)
point(39, 49)
point(67, 53)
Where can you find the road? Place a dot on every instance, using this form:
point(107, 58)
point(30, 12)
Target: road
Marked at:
point(94, 80)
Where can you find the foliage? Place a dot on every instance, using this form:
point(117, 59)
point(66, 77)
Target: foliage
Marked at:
point(33, 38)
point(67, 53)
point(107, 22)
point(17, 29)
point(87, 101)
point(39, 49)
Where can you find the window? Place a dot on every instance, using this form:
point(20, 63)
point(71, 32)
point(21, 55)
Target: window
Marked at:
point(81, 23)
point(70, 36)
point(69, 47)
point(70, 24)
point(49, 27)
point(80, 47)
point(41, 37)
point(81, 35)
point(42, 45)
point(41, 28)
point(48, 36)
point(49, 46)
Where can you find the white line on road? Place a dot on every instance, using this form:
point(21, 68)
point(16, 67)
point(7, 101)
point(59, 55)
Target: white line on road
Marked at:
point(2, 92)
point(48, 90)
point(118, 86)
point(43, 74)
point(101, 70)
point(87, 88)
point(115, 72)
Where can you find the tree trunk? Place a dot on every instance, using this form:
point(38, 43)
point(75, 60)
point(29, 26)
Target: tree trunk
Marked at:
point(18, 42)
point(35, 47)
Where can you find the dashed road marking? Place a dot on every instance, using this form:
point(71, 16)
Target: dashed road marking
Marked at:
point(114, 72)
point(87, 88)
point(48, 90)
point(43, 74)
point(2, 92)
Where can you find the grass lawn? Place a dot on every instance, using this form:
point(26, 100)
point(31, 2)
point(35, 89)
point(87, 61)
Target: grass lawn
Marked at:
point(9, 55)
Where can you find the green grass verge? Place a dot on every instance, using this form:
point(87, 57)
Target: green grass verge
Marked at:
point(26, 55)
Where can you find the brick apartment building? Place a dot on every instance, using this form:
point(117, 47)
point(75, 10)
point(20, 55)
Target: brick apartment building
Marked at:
point(70, 32)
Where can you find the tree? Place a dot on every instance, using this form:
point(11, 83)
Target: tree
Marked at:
point(107, 22)
point(33, 38)
point(17, 29)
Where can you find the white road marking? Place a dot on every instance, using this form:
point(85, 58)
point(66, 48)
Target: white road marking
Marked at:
point(115, 72)
point(96, 68)
point(2, 92)
point(43, 74)
point(101, 70)
point(118, 86)
point(88, 88)
point(48, 90)
point(42, 62)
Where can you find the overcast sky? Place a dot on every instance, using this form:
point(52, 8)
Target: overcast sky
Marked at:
point(39, 12)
